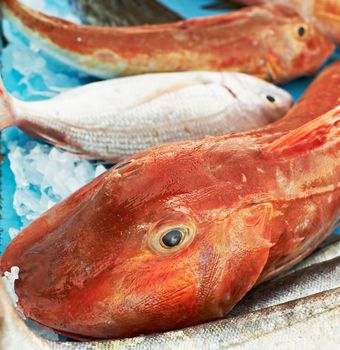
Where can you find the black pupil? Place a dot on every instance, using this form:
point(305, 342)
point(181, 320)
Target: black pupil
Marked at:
point(301, 31)
point(270, 98)
point(172, 238)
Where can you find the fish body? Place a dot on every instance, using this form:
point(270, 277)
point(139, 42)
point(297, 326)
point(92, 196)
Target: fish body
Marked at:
point(328, 250)
point(114, 119)
point(326, 13)
point(123, 13)
point(178, 234)
point(264, 41)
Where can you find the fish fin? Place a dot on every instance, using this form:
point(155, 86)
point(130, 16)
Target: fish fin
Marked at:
point(256, 217)
point(309, 136)
point(253, 219)
point(6, 118)
point(248, 243)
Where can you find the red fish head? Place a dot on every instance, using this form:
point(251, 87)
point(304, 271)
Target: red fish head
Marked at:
point(302, 47)
point(151, 245)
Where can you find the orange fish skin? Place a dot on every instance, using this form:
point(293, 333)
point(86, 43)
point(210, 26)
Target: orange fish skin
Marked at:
point(263, 41)
point(326, 13)
point(250, 204)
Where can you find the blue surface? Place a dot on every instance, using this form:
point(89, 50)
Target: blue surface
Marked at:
point(13, 78)
point(9, 217)
point(193, 8)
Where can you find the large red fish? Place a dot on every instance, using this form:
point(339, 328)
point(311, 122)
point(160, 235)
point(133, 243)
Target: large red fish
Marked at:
point(270, 41)
point(178, 234)
point(324, 12)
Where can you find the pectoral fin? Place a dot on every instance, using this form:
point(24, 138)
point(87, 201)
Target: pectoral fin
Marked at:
point(310, 136)
point(248, 242)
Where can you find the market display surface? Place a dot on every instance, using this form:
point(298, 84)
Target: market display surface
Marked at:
point(276, 218)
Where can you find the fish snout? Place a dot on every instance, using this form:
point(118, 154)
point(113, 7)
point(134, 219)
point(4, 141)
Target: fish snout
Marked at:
point(278, 102)
point(284, 103)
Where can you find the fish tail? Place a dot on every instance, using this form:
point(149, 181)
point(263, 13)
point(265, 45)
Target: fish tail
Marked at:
point(6, 115)
point(54, 35)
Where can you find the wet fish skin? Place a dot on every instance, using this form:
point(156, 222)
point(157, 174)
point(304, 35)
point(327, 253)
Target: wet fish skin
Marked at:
point(263, 41)
point(115, 119)
point(326, 13)
point(123, 13)
point(323, 253)
point(284, 325)
point(239, 202)
point(303, 283)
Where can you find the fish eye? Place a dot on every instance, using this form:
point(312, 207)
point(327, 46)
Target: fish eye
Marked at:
point(172, 239)
point(270, 98)
point(301, 31)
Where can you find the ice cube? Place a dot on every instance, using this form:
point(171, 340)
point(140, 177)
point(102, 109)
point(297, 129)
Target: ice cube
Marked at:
point(9, 279)
point(13, 232)
point(100, 169)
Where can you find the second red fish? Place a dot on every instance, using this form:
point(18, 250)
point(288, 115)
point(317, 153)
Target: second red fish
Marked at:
point(269, 41)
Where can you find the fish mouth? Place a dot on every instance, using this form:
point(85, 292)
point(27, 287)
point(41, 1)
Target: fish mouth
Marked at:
point(288, 101)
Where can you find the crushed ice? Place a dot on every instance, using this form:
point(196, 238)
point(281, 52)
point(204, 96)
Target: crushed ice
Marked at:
point(44, 175)
point(13, 232)
point(9, 279)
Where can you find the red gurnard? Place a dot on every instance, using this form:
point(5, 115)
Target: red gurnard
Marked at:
point(324, 12)
point(178, 234)
point(266, 41)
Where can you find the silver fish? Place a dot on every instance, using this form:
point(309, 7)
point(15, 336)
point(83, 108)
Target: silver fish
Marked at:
point(123, 13)
point(302, 283)
point(114, 119)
